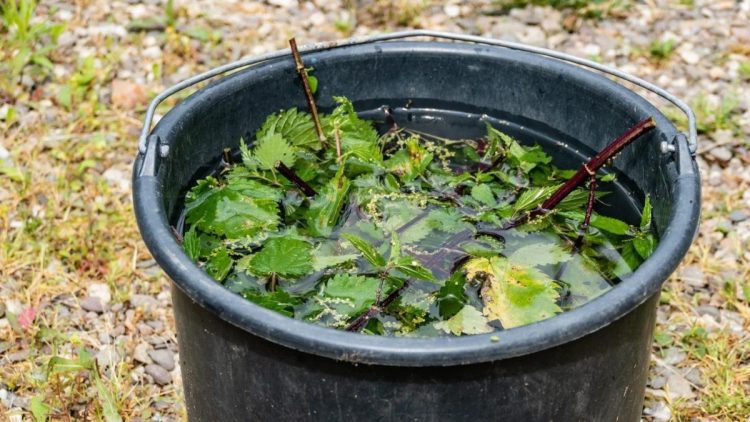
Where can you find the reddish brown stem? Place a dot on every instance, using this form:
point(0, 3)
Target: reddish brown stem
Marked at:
point(587, 170)
point(578, 243)
point(292, 176)
point(359, 323)
point(308, 92)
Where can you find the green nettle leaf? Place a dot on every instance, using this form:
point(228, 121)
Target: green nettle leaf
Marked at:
point(219, 263)
point(646, 214)
point(225, 212)
point(358, 292)
point(452, 296)
point(325, 209)
point(484, 195)
point(191, 244)
point(514, 294)
point(532, 197)
point(469, 320)
point(272, 149)
point(357, 136)
point(411, 161)
point(284, 256)
point(601, 222)
point(525, 158)
point(644, 245)
point(321, 262)
point(412, 268)
point(294, 126)
point(278, 300)
point(538, 254)
point(366, 249)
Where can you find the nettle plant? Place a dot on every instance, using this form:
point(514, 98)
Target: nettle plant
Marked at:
point(406, 233)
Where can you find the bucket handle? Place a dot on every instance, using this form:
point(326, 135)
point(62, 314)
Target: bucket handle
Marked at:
point(666, 147)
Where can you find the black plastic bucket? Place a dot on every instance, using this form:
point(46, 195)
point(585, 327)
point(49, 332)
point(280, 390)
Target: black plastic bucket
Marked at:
point(242, 362)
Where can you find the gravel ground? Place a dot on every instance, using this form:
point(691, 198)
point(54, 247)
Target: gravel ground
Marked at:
point(75, 275)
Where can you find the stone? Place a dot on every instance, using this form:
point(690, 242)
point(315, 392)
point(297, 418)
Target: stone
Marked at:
point(17, 356)
point(693, 276)
point(100, 291)
point(657, 383)
point(143, 301)
point(674, 356)
point(695, 376)
point(722, 154)
point(127, 95)
point(659, 411)
point(159, 374)
point(108, 357)
point(708, 310)
point(2, 310)
point(140, 353)
point(92, 304)
point(738, 216)
point(163, 358)
point(678, 387)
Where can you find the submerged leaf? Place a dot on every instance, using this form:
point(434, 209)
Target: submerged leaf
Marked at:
point(225, 212)
point(279, 301)
point(538, 254)
point(469, 320)
point(368, 251)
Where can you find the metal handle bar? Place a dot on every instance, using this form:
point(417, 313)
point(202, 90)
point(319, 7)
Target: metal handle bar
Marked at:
point(692, 137)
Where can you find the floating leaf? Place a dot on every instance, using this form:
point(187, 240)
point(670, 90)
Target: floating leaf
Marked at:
point(284, 256)
point(451, 297)
point(469, 320)
point(225, 212)
point(514, 294)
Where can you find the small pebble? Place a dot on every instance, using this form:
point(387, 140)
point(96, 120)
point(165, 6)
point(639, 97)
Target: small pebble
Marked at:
point(143, 301)
point(163, 358)
point(693, 276)
point(100, 291)
point(92, 304)
point(722, 154)
point(159, 374)
point(140, 353)
point(738, 216)
point(679, 387)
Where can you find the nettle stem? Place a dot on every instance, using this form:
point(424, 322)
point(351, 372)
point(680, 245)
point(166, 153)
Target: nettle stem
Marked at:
point(308, 92)
point(292, 176)
point(582, 229)
point(587, 170)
